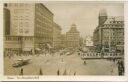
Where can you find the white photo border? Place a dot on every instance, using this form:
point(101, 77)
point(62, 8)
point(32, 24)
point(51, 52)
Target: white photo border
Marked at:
point(65, 78)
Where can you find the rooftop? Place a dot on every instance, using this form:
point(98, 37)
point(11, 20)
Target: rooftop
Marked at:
point(73, 28)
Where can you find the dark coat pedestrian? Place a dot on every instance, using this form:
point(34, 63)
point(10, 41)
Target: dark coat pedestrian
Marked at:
point(85, 62)
point(22, 71)
point(75, 73)
point(41, 73)
point(58, 72)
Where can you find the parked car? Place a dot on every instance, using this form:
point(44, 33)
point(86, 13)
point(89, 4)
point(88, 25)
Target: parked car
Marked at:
point(21, 62)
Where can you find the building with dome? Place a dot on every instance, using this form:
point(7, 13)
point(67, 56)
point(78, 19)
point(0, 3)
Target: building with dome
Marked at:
point(109, 34)
point(72, 37)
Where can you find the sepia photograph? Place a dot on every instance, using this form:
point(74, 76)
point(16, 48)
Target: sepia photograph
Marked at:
point(63, 38)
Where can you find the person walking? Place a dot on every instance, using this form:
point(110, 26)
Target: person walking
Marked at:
point(40, 73)
point(74, 73)
point(22, 71)
point(58, 72)
point(84, 62)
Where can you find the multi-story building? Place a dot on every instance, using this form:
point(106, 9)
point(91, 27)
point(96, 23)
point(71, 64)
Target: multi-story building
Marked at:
point(63, 40)
point(56, 36)
point(73, 37)
point(33, 22)
point(43, 31)
point(109, 35)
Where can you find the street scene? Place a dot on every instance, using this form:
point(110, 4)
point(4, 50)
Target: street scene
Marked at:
point(63, 38)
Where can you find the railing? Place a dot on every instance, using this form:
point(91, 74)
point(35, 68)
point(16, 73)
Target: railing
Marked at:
point(101, 55)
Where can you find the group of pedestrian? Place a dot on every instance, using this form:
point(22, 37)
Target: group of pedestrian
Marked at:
point(22, 71)
point(64, 73)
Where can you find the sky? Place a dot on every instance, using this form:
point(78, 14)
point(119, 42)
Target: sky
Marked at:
point(83, 14)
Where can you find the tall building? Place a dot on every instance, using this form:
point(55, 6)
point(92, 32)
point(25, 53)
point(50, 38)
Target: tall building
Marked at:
point(73, 37)
point(11, 43)
point(33, 23)
point(109, 34)
point(56, 36)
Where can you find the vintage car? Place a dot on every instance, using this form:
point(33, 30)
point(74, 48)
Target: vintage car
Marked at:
point(21, 62)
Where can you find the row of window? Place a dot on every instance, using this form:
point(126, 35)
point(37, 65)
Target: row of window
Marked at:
point(28, 38)
point(43, 31)
point(19, 4)
point(43, 19)
point(115, 37)
point(44, 11)
point(21, 24)
point(43, 23)
point(13, 38)
point(43, 39)
point(112, 25)
point(44, 15)
point(117, 22)
point(114, 43)
point(18, 38)
point(10, 49)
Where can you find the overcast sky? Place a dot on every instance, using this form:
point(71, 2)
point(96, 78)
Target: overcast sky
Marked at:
point(83, 14)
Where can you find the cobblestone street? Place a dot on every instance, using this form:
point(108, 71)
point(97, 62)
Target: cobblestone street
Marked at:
point(51, 64)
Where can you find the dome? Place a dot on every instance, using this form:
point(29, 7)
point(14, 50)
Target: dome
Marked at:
point(73, 28)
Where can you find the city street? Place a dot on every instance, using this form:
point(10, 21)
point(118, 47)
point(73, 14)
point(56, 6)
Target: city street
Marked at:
point(42, 39)
point(51, 64)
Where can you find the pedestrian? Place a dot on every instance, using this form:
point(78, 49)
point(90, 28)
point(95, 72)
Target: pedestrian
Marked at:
point(58, 72)
point(21, 71)
point(84, 62)
point(119, 69)
point(78, 53)
point(74, 73)
point(40, 73)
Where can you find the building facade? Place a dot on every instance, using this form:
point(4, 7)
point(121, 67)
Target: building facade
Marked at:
point(63, 41)
point(109, 35)
point(43, 31)
point(73, 37)
point(56, 36)
point(6, 24)
point(33, 23)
